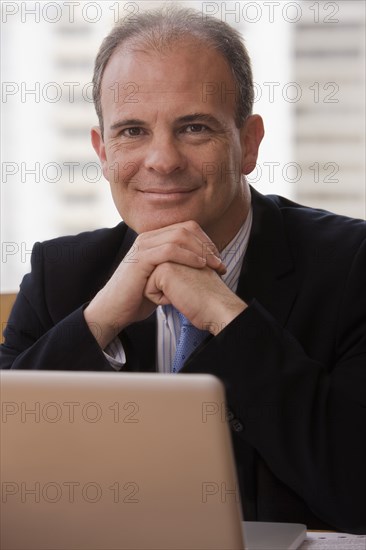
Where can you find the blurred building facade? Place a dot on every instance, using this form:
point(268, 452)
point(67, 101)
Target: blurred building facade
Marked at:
point(308, 60)
point(329, 139)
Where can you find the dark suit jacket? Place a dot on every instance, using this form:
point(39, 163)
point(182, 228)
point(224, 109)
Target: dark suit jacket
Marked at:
point(293, 363)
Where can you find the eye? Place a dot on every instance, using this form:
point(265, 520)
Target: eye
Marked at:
point(132, 132)
point(196, 128)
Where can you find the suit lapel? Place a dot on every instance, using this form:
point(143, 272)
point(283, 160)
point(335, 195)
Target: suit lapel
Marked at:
point(267, 273)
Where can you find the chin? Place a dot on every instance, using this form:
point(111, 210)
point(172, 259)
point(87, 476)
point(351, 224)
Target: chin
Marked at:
point(152, 224)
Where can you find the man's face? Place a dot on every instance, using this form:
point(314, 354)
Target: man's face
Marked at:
point(171, 150)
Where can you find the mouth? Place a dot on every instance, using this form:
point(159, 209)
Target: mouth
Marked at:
point(167, 194)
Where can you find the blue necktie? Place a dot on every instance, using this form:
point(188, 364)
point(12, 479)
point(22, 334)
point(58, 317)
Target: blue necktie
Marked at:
point(190, 338)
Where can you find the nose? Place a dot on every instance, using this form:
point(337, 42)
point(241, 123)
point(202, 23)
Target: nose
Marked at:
point(163, 155)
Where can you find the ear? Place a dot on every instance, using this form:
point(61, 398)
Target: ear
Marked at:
point(99, 148)
point(251, 135)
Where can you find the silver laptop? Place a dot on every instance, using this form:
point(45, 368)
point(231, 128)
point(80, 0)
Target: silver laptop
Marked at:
point(113, 461)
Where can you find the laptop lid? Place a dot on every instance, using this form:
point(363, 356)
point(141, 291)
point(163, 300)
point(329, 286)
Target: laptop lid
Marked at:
point(116, 461)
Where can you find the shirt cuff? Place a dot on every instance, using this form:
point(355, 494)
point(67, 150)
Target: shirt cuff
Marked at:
point(115, 354)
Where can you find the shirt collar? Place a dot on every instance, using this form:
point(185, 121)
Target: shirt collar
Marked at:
point(233, 254)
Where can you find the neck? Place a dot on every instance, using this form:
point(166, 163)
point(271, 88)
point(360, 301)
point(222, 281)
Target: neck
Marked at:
point(223, 233)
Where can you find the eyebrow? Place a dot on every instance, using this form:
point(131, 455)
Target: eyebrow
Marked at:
point(127, 122)
point(186, 119)
point(201, 117)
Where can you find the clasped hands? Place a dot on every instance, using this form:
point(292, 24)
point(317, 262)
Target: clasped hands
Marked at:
point(178, 265)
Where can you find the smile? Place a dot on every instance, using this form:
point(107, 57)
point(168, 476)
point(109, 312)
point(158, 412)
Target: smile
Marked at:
point(168, 194)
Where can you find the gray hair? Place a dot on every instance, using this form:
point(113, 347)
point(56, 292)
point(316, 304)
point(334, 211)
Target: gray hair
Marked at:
point(159, 29)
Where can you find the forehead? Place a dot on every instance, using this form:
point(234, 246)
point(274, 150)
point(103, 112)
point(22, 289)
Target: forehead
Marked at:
point(189, 74)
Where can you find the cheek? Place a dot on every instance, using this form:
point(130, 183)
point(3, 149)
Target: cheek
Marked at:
point(223, 177)
point(222, 161)
point(120, 171)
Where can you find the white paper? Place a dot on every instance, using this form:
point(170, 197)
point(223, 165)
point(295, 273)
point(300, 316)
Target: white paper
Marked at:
point(333, 541)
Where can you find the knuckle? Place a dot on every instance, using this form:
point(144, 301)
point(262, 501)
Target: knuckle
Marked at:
point(192, 225)
point(169, 248)
point(140, 238)
point(178, 236)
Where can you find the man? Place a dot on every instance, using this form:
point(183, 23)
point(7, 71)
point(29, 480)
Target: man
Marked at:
point(279, 288)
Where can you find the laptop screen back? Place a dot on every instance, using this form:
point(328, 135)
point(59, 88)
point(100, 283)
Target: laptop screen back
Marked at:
point(116, 461)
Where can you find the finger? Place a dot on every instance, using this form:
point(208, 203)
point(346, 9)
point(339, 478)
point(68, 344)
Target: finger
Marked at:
point(170, 252)
point(155, 295)
point(180, 236)
point(193, 228)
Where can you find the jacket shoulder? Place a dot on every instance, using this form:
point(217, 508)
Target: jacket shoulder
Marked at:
point(89, 246)
point(319, 228)
point(68, 271)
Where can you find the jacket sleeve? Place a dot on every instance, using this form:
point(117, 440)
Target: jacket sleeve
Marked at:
point(305, 419)
point(33, 340)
